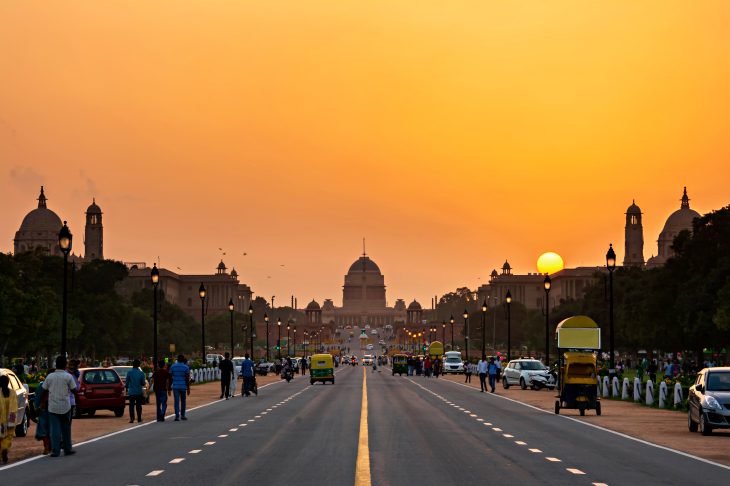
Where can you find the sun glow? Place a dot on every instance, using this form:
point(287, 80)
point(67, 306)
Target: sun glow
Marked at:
point(549, 262)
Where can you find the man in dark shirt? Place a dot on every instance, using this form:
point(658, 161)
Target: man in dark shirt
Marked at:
point(226, 367)
point(162, 384)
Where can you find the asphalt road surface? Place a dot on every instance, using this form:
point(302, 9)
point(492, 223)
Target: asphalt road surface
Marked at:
point(416, 430)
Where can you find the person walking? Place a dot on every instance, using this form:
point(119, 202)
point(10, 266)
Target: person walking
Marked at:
point(492, 369)
point(436, 367)
point(42, 431)
point(180, 374)
point(59, 384)
point(161, 382)
point(73, 369)
point(482, 370)
point(427, 367)
point(303, 363)
point(135, 383)
point(247, 372)
point(468, 370)
point(8, 413)
point(226, 367)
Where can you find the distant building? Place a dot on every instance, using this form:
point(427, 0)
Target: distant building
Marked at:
point(678, 221)
point(633, 237)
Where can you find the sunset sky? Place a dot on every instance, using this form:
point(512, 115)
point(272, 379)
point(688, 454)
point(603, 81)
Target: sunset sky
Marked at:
point(451, 134)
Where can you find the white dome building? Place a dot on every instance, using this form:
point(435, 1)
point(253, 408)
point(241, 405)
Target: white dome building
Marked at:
point(39, 229)
point(678, 221)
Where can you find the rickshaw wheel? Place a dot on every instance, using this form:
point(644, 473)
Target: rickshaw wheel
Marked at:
point(582, 411)
point(598, 408)
point(394, 373)
point(311, 382)
point(557, 407)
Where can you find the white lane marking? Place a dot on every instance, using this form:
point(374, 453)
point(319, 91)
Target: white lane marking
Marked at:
point(574, 470)
point(156, 472)
point(269, 409)
point(480, 420)
point(472, 415)
point(553, 459)
point(223, 436)
point(488, 423)
point(251, 420)
point(467, 411)
point(233, 430)
point(519, 442)
point(536, 451)
point(242, 425)
point(600, 484)
point(177, 460)
point(195, 451)
point(264, 413)
point(257, 416)
point(496, 429)
point(588, 424)
point(509, 436)
point(209, 443)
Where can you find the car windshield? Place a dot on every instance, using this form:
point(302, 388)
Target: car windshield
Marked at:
point(100, 377)
point(453, 360)
point(718, 381)
point(122, 371)
point(532, 365)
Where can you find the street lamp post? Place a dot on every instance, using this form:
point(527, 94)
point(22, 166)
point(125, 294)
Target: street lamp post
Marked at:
point(443, 333)
point(466, 333)
point(155, 276)
point(295, 340)
point(451, 321)
point(65, 242)
point(266, 320)
point(547, 283)
point(611, 265)
point(288, 328)
point(253, 328)
point(508, 299)
point(230, 308)
point(278, 339)
point(201, 293)
point(484, 326)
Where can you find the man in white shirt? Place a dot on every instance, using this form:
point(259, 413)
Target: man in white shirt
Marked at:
point(59, 384)
point(482, 370)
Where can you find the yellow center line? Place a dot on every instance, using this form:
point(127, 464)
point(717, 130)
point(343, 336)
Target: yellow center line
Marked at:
point(362, 470)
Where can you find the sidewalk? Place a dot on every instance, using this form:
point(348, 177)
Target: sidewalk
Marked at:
point(104, 421)
point(667, 428)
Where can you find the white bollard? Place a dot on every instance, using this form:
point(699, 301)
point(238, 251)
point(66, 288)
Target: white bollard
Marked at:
point(625, 389)
point(637, 390)
point(217, 374)
point(678, 396)
point(663, 393)
point(195, 376)
point(614, 387)
point(605, 387)
point(649, 393)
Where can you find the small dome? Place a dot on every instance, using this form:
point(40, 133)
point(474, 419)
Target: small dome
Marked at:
point(313, 306)
point(93, 208)
point(234, 273)
point(633, 209)
point(364, 264)
point(494, 273)
point(506, 266)
point(221, 265)
point(414, 306)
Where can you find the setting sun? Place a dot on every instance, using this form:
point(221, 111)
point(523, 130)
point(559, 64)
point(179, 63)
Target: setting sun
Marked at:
point(549, 262)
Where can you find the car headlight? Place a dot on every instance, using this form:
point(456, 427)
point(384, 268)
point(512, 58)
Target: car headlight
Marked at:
point(711, 403)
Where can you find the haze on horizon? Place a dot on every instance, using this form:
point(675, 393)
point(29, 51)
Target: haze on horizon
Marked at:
point(452, 136)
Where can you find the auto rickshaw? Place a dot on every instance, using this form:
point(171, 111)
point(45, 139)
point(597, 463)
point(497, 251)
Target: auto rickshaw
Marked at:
point(578, 339)
point(322, 369)
point(400, 364)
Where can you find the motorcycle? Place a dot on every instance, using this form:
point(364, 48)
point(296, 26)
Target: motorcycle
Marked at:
point(287, 374)
point(547, 379)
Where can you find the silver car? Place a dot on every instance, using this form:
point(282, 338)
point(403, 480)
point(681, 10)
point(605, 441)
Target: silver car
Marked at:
point(709, 401)
point(21, 390)
point(521, 371)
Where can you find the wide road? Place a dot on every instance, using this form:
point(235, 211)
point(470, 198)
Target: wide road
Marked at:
point(413, 430)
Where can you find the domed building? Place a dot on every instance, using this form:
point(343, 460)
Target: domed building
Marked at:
point(39, 229)
point(677, 222)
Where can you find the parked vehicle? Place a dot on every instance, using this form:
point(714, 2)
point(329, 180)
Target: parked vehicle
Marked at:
point(452, 363)
point(237, 360)
point(122, 372)
point(367, 360)
point(210, 358)
point(709, 401)
point(527, 372)
point(100, 389)
point(21, 390)
point(322, 369)
point(400, 364)
point(264, 367)
point(369, 347)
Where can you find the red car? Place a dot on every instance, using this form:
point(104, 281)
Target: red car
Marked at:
point(99, 389)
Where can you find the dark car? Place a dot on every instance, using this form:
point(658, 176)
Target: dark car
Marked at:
point(122, 372)
point(99, 389)
point(709, 401)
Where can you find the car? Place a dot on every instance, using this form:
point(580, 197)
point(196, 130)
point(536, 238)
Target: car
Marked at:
point(374, 331)
point(210, 358)
point(520, 372)
point(369, 347)
point(122, 372)
point(264, 367)
point(708, 401)
point(100, 389)
point(237, 360)
point(452, 363)
point(21, 391)
point(367, 360)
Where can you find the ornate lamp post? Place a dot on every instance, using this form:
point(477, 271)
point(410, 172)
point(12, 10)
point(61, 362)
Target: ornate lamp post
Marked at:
point(443, 333)
point(547, 283)
point(65, 241)
point(484, 326)
point(288, 328)
point(295, 340)
point(451, 321)
point(253, 328)
point(278, 340)
point(155, 276)
point(202, 293)
point(508, 300)
point(266, 320)
point(466, 333)
point(611, 265)
point(230, 308)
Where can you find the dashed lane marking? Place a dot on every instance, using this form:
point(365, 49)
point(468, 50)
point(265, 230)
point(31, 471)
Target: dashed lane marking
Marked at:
point(553, 459)
point(536, 451)
point(508, 436)
point(177, 460)
point(496, 429)
point(233, 430)
point(519, 442)
point(574, 470)
point(156, 472)
point(195, 451)
point(209, 443)
point(223, 436)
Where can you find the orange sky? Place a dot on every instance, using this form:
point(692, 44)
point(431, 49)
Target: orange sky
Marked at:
point(452, 135)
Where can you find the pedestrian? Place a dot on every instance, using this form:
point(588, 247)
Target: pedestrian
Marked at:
point(436, 367)
point(161, 383)
point(247, 374)
point(8, 413)
point(303, 364)
point(135, 383)
point(427, 367)
point(492, 369)
point(226, 367)
point(482, 370)
point(180, 374)
point(652, 370)
point(42, 431)
point(468, 370)
point(73, 369)
point(59, 384)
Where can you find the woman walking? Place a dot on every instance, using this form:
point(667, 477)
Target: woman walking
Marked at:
point(42, 430)
point(8, 411)
point(468, 370)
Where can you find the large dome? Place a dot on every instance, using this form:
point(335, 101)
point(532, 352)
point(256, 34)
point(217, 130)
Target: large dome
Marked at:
point(41, 219)
point(681, 219)
point(363, 264)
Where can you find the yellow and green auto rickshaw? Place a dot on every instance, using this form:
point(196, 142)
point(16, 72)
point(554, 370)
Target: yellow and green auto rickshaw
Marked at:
point(400, 364)
point(322, 368)
point(579, 338)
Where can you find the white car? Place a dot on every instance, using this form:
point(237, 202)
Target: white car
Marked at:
point(369, 347)
point(367, 360)
point(373, 331)
point(521, 371)
point(452, 363)
point(20, 390)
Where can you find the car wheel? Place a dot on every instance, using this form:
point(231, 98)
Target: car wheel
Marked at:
point(705, 429)
point(523, 385)
point(118, 412)
point(91, 412)
point(22, 428)
point(505, 384)
point(691, 423)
